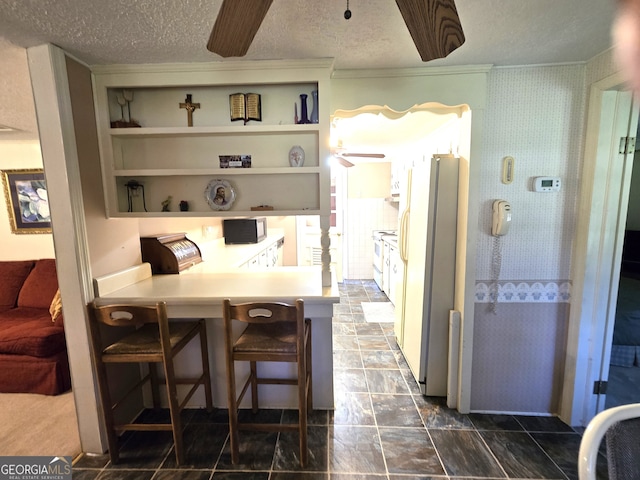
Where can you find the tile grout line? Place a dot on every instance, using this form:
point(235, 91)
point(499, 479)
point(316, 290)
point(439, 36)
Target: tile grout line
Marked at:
point(544, 451)
point(375, 418)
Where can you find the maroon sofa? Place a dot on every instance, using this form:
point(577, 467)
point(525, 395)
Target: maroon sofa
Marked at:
point(33, 351)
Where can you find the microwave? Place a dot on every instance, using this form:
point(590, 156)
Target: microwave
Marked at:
point(244, 230)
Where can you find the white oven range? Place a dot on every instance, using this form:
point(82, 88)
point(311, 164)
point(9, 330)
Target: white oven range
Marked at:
point(378, 253)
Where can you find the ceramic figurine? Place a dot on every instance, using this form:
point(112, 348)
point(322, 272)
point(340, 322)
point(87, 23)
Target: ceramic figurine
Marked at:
point(167, 204)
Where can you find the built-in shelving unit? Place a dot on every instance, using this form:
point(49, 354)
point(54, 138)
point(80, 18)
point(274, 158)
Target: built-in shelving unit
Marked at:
point(168, 158)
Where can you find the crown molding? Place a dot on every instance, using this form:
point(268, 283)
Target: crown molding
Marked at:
point(410, 72)
point(198, 67)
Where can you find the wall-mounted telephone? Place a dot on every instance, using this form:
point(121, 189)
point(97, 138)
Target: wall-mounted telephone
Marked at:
point(501, 218)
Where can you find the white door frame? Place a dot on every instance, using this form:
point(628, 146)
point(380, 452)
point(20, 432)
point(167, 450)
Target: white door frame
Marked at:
point(48, 70)
point(597, 248)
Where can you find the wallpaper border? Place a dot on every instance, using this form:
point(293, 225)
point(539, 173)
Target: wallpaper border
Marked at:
point(523, 291)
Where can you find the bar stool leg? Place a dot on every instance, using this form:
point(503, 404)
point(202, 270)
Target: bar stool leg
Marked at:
point(105, 397)
point(254, 387)
point(174, 411)
point(302, 410)
point(204, 349)
point(305, 394)
point(309, 369)
point(233, 413)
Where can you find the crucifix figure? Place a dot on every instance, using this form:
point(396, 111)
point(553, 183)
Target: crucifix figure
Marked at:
point(190, 107)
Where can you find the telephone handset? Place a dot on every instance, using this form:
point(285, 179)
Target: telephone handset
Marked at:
point(501, 218)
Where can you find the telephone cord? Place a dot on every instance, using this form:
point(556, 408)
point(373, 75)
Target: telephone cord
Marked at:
point(496, 266)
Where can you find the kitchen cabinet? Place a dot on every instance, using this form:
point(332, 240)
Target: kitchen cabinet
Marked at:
point(228, 258)
point(390, 266)
point(394, 272)
point(263, 259)
point(398, 178)
point(166, 158)
point(386, 266)
point(269, 257)
point(274, 254)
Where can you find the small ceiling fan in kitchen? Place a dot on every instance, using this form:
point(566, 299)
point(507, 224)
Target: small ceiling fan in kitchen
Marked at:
point(343, 157)
point(433, 24)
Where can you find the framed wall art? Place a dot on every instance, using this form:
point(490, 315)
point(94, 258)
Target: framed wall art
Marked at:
point(25, 192)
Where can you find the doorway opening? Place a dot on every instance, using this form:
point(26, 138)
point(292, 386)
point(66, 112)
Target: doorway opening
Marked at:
point(598, 249)
point(372, 149)
point(623, 384)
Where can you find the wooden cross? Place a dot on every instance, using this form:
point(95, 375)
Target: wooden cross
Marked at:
point(190, 107)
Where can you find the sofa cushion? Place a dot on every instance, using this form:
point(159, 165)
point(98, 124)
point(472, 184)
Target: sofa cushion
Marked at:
point(29, 331)
point(12, 276)
point(40, 286)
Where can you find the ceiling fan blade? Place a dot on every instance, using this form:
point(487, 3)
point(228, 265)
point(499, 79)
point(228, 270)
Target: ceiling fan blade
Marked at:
point(344, 162)
point(434, 26)
point(364, 155)
point(237, 23)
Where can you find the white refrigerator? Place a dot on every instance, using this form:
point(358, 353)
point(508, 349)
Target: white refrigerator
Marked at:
point(427, 244)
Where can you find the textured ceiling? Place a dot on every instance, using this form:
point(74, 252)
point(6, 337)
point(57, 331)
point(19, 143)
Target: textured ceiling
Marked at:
point(499, 32)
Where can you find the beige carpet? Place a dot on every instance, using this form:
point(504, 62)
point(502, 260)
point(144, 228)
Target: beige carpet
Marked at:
point(39, 425)
point(378, 312)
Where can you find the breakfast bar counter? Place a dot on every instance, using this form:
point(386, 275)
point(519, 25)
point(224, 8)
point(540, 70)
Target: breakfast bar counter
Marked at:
point(198, 292)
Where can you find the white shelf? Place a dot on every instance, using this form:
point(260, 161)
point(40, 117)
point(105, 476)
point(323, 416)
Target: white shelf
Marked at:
point(224, 130)
point(163, 172)
point(213, 213)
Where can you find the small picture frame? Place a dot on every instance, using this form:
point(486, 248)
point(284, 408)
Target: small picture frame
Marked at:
point(235, 161)
point(27, 201)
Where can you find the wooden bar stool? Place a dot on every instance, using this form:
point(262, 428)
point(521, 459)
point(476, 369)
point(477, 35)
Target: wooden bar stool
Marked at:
point(276, 332)
point(151, 339)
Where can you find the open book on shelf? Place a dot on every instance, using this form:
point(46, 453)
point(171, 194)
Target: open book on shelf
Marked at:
point(245, 106)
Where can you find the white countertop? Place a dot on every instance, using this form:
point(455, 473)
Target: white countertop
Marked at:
point(391, 239)
point(217, 277)
point(204, 284)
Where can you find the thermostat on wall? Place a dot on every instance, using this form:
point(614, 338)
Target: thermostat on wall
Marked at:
point(546, 184)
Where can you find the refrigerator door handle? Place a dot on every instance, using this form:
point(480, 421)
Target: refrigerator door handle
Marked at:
point(403, 235)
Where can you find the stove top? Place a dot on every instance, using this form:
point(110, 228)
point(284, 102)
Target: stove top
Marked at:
point(378, 235)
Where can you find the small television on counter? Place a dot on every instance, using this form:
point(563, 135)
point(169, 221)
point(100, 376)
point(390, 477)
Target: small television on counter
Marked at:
point(238, 231)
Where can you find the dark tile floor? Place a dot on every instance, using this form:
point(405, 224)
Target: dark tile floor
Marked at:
point(381, 428)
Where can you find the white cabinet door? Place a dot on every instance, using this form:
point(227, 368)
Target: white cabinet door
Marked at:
point(272, 255)
point(394, 273)
point(254, 262)
point(386, 267)
point(263, 261)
